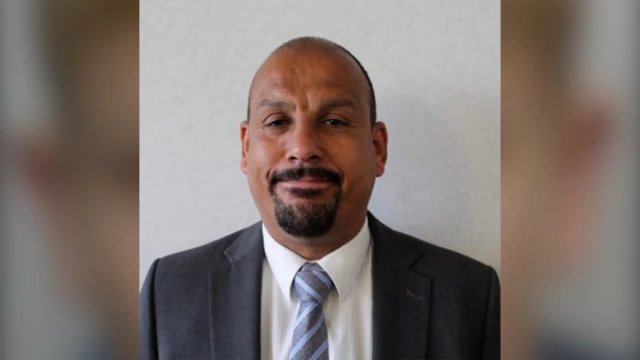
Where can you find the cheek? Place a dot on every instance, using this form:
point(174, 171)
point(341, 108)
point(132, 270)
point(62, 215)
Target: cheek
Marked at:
point(357, 163)
point(262, 157)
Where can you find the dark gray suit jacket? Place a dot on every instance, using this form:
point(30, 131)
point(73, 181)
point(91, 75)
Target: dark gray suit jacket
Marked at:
point(428, 302)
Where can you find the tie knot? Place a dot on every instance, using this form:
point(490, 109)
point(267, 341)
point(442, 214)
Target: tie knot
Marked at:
point(312, 283)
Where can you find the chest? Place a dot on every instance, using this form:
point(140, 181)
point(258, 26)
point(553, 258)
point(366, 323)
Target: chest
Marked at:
point(348, 320)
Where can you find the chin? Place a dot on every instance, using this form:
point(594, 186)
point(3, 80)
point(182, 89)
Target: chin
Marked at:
point(307, 218)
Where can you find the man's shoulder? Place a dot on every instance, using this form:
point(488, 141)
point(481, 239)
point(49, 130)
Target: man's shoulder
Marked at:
point(456, 278)
point(199, 258)
point(442, 263)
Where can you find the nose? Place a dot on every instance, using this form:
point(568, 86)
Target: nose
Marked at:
point(304, 146)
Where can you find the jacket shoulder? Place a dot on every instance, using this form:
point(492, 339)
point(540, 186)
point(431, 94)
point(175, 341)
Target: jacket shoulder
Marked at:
point(195, 262)
point(444, 264)
point(211, 251)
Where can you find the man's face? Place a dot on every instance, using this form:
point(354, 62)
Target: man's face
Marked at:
point(310, 152)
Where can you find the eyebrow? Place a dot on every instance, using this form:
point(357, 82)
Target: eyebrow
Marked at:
point(269, 103)
point(324, 106)
point(337, 103)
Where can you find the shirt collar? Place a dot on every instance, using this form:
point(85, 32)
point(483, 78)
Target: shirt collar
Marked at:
point(343, 264)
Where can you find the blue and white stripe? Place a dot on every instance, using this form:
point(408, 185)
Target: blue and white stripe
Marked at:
point(310, 341)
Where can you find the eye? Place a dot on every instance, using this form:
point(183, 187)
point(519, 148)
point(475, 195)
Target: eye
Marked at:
point(277, 123)
point(335, 122)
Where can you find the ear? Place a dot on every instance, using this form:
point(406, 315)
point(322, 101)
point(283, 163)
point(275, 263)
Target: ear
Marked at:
point(380, 142)
point(244, 140)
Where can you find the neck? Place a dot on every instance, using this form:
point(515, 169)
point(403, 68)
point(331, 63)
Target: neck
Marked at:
point(317, 247)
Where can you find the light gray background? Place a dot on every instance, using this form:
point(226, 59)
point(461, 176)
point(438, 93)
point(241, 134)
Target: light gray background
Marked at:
point(435, 66)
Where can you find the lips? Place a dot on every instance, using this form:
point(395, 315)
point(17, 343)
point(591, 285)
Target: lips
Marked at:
point(304, 182)
point(307, 182)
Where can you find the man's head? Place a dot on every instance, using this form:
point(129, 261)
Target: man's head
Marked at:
point(311, 146)
point(311, 41)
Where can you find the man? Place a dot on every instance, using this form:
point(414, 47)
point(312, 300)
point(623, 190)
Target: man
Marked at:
point(319, 277)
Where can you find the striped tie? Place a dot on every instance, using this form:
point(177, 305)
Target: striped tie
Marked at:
point(310, 342)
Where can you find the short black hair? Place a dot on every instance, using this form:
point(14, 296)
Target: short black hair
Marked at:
point(312, 40)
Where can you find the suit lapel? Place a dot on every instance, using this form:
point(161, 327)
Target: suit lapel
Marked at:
point(401, 298)
point(235, 290)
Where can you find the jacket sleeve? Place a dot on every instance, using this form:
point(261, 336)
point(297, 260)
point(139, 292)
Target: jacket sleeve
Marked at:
point(491, 341)
point(148, 336)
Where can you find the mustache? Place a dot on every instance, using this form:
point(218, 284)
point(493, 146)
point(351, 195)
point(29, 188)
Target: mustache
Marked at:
point(318, 173)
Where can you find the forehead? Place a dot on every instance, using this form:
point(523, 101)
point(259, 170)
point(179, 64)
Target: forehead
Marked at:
point(292, 72)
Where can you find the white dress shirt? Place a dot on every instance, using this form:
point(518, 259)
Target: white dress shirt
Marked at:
point(347, 309)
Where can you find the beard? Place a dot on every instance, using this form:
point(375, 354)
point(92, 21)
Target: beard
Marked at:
point(306, 219)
